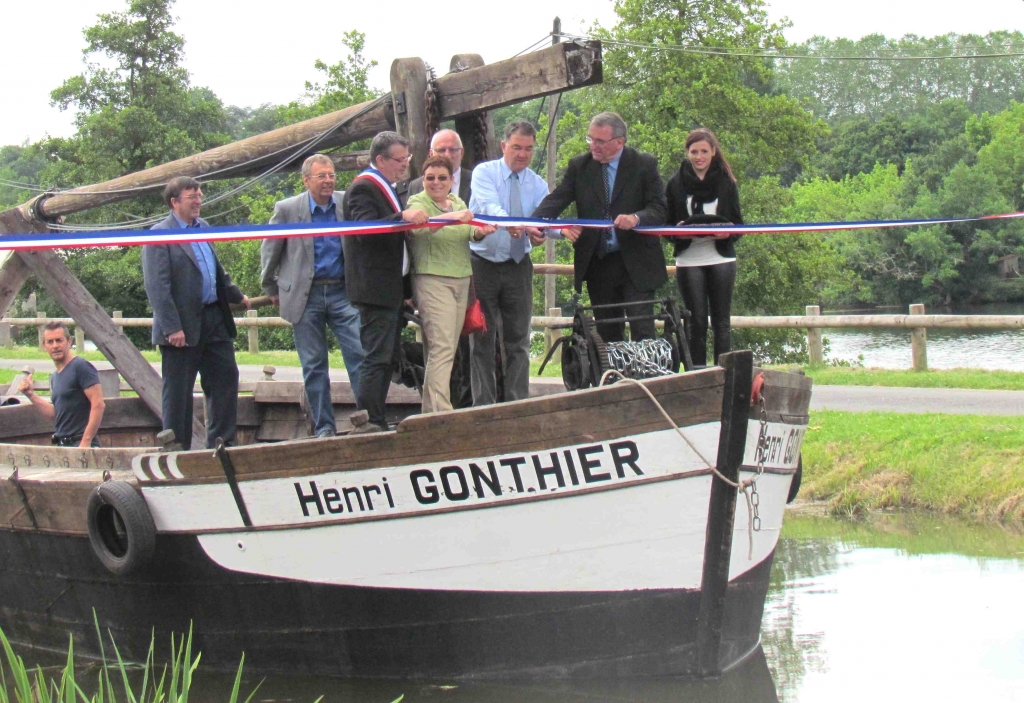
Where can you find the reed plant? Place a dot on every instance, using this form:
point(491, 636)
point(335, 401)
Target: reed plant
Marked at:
point(22, 684)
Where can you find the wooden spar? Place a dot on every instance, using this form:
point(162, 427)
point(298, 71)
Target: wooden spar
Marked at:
point(563, 67)
point(732, 438)
point(230, 160)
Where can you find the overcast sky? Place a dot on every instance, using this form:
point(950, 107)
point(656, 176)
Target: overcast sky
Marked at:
point(259, 51)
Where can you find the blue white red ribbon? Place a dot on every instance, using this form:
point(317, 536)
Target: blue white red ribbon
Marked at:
point(123, 238)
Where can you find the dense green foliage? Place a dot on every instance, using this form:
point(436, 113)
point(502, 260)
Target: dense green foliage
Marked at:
point(810, 140)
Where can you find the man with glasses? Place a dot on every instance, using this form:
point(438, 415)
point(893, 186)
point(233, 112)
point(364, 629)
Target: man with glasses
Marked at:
point(375, 265)
point(615, 183)
point(305, 276)
point(190, 294)
point(502, 270)
point(448, 143)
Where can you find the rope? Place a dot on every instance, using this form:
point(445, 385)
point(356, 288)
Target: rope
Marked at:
point(743, 486)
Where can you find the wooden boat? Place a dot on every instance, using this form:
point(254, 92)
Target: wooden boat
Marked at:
point(571, 535)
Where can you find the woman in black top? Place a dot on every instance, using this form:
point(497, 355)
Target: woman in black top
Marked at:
point(703, 191)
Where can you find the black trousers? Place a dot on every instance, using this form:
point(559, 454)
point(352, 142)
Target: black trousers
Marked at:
point(608, 282)
point(708, 289)
point(378, 332)
point(213, 359)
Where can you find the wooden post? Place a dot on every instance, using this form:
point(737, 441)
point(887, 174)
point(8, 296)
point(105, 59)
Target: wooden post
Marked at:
point(476, 150)
point(919, 341)
point(408, 93)
point(13, 275)
point(117, 316)
point(29, 306)
point(814, 348)
point(39, 327)
point(552, 155)
point(254, 333)
point(110, 383)
point(551, 336)
point(732, 439)
point(6, 340)
point(79, 338)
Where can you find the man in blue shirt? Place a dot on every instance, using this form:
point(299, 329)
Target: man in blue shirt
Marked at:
point(190, 294)
point(305, 276)
point(502, 270)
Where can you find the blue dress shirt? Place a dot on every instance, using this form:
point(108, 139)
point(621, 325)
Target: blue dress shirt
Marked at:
point(613, 169)
point(491, 190)
point(207, 267)
point(328, 259)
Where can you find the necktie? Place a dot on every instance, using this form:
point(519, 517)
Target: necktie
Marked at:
point(606, 235)
point(515, 209)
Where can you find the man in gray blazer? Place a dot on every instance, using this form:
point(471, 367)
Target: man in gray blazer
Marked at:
point(305, 276)
point(190, 294)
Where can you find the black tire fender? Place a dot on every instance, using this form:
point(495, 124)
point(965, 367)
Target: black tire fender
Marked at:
point(121, 529)
point(794, 486)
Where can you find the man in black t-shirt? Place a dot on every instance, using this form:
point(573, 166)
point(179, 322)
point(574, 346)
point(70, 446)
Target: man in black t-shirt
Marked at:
point(77, 399)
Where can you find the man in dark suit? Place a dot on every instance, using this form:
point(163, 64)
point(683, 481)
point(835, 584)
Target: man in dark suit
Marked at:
point(614, 182)
point(190, 294)
point(374, 267)
point(448, 143)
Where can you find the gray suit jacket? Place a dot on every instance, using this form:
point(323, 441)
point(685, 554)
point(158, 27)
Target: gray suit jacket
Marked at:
point(174, 286)
point(465, 187)
point(287, 264)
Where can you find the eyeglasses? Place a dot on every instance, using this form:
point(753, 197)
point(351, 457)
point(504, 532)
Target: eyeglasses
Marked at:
point(439, 179)
point(401, 159)
point(191, 198)
point(447, 150)
point(323, 177)
point(516, 149)
point(599, 143)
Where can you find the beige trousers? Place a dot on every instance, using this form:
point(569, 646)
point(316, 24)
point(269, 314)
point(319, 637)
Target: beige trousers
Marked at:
point(441, 301)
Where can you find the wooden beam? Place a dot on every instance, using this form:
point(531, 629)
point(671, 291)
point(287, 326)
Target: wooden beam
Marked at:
point(479, 145)
point(231, 160)
point(408, 91)
point(562, 67)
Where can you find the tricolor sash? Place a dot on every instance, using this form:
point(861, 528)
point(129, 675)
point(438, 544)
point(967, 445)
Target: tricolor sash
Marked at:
point(374, 176)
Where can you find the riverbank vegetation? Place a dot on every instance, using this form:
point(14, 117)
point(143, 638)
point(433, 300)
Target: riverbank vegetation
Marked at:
point(809, 140)
point(967, 465)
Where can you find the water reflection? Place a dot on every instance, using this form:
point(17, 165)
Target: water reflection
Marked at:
point(947, 349)
point(896, 608)
point(750, 683)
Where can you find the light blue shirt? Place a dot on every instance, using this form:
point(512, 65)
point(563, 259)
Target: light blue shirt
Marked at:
point(492, 186)
point(328, 259)
point(613, 169)
point(207, 267)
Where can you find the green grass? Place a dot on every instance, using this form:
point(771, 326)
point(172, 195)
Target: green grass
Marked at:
point(977, 379)
point(966, 465)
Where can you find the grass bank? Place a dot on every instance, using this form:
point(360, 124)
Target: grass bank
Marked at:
point(976, 379)
point(965, 465)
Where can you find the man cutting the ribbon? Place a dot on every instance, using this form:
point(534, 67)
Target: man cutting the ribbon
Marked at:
point(617, 183)
point(374, 267)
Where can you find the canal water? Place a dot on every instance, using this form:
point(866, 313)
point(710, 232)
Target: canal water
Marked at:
point(947, 349)
point(894, 607)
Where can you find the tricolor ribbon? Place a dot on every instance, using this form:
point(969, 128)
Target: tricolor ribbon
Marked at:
point(125, 238)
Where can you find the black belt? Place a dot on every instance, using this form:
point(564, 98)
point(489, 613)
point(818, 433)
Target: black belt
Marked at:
point(501, 263)
point(66, 441)
point(215, 304)
point(328, 281)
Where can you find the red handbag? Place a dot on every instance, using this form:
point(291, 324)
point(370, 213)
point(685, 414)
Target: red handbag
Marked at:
point(475, 321)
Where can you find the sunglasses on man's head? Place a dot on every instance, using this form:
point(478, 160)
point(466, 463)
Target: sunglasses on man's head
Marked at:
point(439, 179)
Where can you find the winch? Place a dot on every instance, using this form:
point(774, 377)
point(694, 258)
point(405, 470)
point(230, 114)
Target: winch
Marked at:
point(586, 356)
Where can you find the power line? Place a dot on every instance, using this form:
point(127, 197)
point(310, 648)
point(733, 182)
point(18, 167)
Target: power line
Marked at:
point(773, 55)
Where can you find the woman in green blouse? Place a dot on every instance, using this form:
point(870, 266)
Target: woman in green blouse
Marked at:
point(440, 277)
